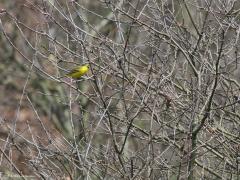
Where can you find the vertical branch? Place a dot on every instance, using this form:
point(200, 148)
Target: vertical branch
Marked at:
point(207, 111)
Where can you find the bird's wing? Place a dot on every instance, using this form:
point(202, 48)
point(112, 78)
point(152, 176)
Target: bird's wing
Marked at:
point(73, 71)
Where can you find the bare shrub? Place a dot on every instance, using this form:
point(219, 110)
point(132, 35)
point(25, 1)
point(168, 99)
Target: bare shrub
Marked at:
point(161, 99)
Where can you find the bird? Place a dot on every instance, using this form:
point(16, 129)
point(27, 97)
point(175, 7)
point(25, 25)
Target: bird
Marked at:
point(78, 71)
